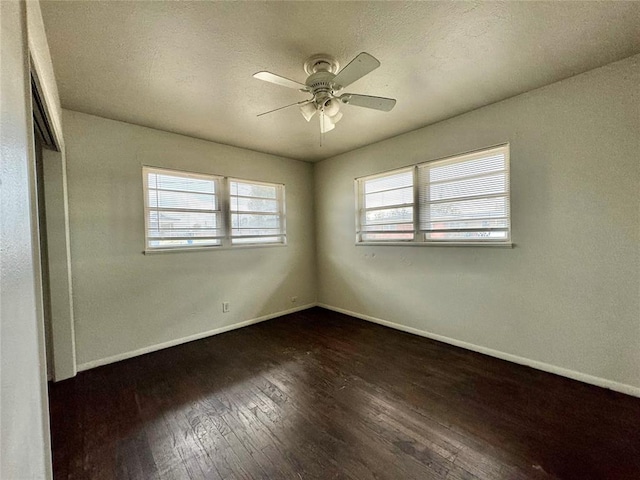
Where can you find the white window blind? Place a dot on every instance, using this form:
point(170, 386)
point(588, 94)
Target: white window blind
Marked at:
point(257, 212)
point(457, 200)
point(386, 207)
point(181, 209)
point(466, 198)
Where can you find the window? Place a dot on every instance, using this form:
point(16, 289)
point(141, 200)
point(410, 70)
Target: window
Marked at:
point(466, 198)
point(460, 200)
point(190, 210)
point(182, 209)
point(256, 212)
point(386, 207)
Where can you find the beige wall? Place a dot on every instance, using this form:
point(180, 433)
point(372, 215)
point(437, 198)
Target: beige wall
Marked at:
point(24, 427)
point(126, 302)
point(567, 297)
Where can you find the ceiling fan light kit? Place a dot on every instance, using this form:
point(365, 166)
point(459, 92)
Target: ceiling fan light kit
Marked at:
point(324, 84)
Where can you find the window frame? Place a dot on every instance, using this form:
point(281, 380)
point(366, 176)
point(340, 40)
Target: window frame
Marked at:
point(281, 201)
point(224, 207)
point(419, 238)
point(361, 210)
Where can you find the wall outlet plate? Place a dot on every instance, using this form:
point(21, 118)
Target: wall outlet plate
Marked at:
point(225, 307)
point(294, 299)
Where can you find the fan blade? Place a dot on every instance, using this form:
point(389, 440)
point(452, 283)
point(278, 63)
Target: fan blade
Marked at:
point(377, 103)
point(286, 106)
point(278, 80)
point(356, 69)
point(326, 125)
point(308, 110)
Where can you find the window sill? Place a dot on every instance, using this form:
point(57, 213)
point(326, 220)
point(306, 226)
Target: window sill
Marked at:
point(213, 247)
point(436, 244)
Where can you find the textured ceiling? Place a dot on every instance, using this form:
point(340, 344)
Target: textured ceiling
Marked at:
point(187, 67)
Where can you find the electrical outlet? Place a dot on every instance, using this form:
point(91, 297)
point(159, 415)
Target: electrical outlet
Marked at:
point(294, 299)
point(225, 307)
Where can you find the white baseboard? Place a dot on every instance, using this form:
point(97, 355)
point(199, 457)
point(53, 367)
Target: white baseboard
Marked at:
point(582, 377)
point(172, 343)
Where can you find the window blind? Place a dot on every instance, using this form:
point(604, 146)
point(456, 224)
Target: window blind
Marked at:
point(181, 209)
point(257, 212)
point(386, 207)
point(466, 198)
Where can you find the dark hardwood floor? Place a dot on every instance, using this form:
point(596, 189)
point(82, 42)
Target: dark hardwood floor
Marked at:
point(320, 395)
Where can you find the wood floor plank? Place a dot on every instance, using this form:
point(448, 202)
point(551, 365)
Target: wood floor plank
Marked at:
point(320, 395)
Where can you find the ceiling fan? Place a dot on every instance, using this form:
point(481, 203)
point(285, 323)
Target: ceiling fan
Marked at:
point(325, 84)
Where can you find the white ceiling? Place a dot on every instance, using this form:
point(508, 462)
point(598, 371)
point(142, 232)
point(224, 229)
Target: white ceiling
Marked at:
point(187, 67)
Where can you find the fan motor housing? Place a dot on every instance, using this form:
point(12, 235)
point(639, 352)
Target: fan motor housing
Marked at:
point(321, 86)
point(320, 81)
